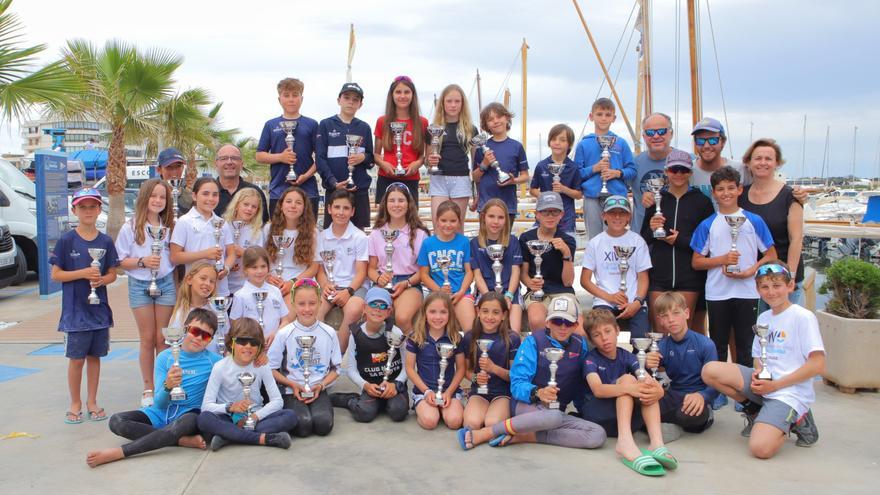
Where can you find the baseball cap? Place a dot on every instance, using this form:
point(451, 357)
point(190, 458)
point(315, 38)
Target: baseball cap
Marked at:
point(564, 306)
point(85, 193)
point(352, 87)
point(377, 293)
point(169, 156)
point(549, 200)
point(616, 202)
point(679, 158)
point(708, 124)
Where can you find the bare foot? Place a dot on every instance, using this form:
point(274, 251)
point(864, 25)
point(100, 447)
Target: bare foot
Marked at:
point(193, 442)
point(629, 451)
point(98, 457)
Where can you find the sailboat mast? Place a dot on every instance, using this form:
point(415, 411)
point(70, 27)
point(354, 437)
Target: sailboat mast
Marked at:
point(804, 152)
point(525, 137)
point(646, 54)
point(479, 93)
point(855, 136)
point(696, 91)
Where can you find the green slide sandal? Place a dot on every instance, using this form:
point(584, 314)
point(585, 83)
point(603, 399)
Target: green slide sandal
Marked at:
point(645, 465)
point(663, 456)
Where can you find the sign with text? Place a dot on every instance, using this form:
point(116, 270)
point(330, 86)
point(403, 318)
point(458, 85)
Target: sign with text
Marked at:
point(52, 214)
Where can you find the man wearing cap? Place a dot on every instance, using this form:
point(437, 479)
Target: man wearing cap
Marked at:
point(172, 165)
point(709, 140)
point(368, 353)
point(557, 267)
point(332, 154)
point(229, 164)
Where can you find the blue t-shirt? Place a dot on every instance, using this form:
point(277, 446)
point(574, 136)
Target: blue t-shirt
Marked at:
point(609, 370)
point(646, 168)
point(459, 252)
point(428, 361)
point(71, 253)
point(272, 141)
point(500, 354)
point(684, 362)
point(480, 261)
point(570, 177)
point(196, 369)
point(512, 158)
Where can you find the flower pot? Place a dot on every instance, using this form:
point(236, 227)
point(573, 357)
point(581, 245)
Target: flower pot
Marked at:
point(851, 348)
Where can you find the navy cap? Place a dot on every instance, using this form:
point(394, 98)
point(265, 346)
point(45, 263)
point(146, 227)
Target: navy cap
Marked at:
point(353, 88)
point(169, 156)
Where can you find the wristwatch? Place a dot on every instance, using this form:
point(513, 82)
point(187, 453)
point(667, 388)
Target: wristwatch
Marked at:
point(141, 263)
point(350, 291)
point(640, 299)
point(533, 396)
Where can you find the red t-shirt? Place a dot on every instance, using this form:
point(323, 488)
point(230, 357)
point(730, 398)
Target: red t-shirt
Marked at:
point(409, 154)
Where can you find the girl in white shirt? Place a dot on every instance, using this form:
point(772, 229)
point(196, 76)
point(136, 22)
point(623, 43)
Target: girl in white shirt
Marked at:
point(246, 207)
point(196, 291)
point(225, 408)
point(293, 217)
point(275, 313)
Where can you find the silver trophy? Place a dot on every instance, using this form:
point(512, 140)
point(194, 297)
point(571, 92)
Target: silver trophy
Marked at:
point(175, 195)
point(484, 345)
point(443, 262)
point(538, 247)
point(623, 253)
point(445, 351)
point(480, 140)
point(282, 242)
point(306, 343)
point(260, 298)
point(220, 304)
point(289, 127)
point(174, 338)
point(655, 185)
point(394, 342)
point(353, 141)
point(96, 254)
point(735, 222)
point(641, 344)
point(246, 379)
point(555, 170)
point(236, 230)
point(762, 330)
point(553, 354)
point(606, 142)
point(436, 132)
point(158, 234)
point(217, 223)
point(389, 236)
point(496, 254)
point(655, 337)
point(329, 258)
point(397, 128)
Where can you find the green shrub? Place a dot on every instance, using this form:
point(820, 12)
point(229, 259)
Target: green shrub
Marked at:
point(854, 287)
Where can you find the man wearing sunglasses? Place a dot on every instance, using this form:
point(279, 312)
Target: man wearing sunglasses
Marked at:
point(651, 163)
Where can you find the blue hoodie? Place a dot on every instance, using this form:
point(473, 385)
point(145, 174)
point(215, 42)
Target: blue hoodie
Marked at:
point(588, 152)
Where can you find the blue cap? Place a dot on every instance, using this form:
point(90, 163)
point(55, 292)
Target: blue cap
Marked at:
point(377, 293)
point(169, 156)
point(708, 124)
point(85, 193)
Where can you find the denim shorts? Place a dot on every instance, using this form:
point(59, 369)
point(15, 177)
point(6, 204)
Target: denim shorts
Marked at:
point(137, 292)
point(93, 343)
point(450, 186)
point(400, 278)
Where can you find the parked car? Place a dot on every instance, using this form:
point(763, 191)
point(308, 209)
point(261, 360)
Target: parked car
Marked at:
point(11, 269)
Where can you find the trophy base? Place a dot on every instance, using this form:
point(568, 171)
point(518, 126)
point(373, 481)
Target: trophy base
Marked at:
point(154, 293)
point(308, 394)
point(439, 400)
point(538, 295)
point(399, 171)
point(249, 425)
point(499, 289)
point(660, 234)
point(764, 374)
point(553, 405)
point(177, 395)
point(482, 390)
point(434, 170)
point(94, 301)
point(732, 268)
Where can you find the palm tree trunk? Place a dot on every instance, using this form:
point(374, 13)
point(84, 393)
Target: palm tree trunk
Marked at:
point(116, 179)
point(192, 172)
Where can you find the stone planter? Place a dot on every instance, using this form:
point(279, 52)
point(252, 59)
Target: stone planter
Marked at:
point(851, 348)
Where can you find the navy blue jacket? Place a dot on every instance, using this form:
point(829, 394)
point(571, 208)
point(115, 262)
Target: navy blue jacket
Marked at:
point(331, 153)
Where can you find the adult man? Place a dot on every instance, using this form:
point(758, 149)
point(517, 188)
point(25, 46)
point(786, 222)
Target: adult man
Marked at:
point(651, 163)
point(171, 165)
point(228, 163)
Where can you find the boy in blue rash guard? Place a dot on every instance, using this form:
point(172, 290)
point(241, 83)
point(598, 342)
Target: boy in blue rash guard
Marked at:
point(683, 353)
point(331, 155)
point(568, 186)
point(533, 420)
point(168, 422)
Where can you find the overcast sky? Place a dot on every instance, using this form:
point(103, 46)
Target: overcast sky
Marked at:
point(779, 60)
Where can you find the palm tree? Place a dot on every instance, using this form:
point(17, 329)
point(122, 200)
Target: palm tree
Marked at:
point(183, 123)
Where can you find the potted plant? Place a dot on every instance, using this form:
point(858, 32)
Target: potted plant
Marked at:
point(849, 325)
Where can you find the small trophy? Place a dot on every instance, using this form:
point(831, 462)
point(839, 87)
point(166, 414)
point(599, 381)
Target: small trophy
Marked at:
point(445, 351)
point(496, 254)
point(220, 304)
point(260, 297)
point(538, 247)
point(174, 337)
point(484, 345)
point(353, 141)
point(329, 258)
point(158, 234)
point(553, 354)
point(236, 230)
point(436, 132)
point(175, 195)
point(555, 170)
point(394, 341)
point(735, 222)
point(655, 185)
point(443, 262)
point(389, 236)
point(96, 254)
point(397, 128)
point(655, 337)
point(480, 140)
point(217, 223)
point(623, 253)
point(641, 344)
point(606, 142)
point(289, 127)
point(762, 330)
point(306, 343)
point(283, 242)
point(246, 378)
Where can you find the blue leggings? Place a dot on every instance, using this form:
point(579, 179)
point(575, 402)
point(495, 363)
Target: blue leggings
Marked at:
point(221, 424)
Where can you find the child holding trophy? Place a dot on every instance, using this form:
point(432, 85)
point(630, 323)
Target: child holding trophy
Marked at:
point(398, 230)
point(788, 353)
point(496, 259)
point(233, 409)
point(400, 139)
point(195, 291)
point(500, 162)
point(304, 358)
point(435, 363)
point(83, 261)
point(244, 215)
point(269, 309)
point(558, 173)
point(293, 227)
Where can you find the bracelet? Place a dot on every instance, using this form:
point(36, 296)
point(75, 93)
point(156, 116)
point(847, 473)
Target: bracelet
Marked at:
point(408, 284)
point(508, 295)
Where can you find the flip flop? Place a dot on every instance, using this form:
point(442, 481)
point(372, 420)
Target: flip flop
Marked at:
point(73, 418)
point(644, 465)
point(462, 440)
point(98, 415)
point(663, 456)
point(502, 440)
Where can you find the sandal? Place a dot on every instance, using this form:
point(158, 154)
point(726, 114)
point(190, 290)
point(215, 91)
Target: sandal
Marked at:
point(645, 465)
point(663, 456)
point(98, 415)
point(462, 438)
point(501, 440)
point(73, 418)
point(147, 398)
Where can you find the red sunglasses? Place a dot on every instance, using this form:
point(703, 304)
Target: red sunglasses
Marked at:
point(199, 333)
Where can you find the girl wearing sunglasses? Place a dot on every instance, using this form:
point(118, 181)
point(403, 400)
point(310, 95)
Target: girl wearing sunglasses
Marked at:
point(225, 409)
point(401, 105)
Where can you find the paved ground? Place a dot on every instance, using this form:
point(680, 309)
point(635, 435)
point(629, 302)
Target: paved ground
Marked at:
point(382, 456)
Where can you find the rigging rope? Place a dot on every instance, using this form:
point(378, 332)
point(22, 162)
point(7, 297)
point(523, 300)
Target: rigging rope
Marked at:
point(509, 73)
point(720, 84)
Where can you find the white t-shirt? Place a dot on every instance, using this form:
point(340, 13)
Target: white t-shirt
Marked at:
point(794, 334)
point(599, 257)
point(290, 268)
point(325, 352)
point(274, 309)
point(224, 387)
point(193, 232)
point(350, 248)
point(712, 238)
point(126, 247)
point(248, 238)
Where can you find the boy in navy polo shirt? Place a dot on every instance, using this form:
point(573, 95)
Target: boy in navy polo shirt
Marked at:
point(273, 150)
point(568, 186)
point(86, 325)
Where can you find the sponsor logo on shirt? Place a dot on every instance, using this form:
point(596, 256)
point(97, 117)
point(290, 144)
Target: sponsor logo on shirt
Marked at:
point(334, 133)
point(378, 357)
point(74, 254)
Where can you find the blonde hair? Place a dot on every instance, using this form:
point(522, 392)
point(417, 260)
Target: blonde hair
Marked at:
point(291, 84)
point(184, 292)
point(483, 236)
point(231, 213)
point(669, 300)
point(420, 327)
point(466, 129)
